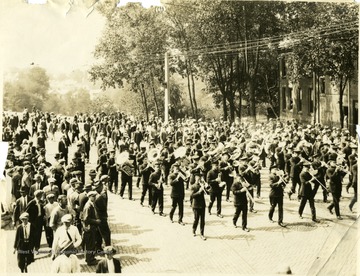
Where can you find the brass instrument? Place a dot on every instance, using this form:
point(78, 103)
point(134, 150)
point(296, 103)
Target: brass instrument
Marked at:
point(122, 158)
point(204, 185)
point(243, 180)
point(180, 152)
point(153, 155)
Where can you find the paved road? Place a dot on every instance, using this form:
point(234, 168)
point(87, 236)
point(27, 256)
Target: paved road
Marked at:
point(149, 243)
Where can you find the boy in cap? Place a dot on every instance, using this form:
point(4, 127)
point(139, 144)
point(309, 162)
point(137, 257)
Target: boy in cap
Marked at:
point(109, 264)
point(24, 242)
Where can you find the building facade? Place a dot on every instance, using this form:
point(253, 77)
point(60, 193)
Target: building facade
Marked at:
point(316, 100)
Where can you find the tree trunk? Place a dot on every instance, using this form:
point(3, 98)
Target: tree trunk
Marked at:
point(189, 89)
point(224, 107)
point(155, 100)
point(252, 99)
point(193, 90)
point(143, 95)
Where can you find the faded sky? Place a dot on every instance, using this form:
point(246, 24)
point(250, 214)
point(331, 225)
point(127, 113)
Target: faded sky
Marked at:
point(44, 35)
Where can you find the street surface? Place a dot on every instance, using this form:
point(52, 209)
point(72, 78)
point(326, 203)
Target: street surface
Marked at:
point(148, 243)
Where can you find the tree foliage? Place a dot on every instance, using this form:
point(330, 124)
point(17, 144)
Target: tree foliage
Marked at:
point(30, 89)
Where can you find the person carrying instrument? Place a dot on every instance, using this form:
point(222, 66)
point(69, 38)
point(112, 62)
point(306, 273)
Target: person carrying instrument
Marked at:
point(306, 191)
point(225, 170)
point(145, 171)
point(197, 198)
point(156, 182)
point(213, 178)
point(335, 175)
point(177, 193)
point(240, 189)
point(296, 166)
point(127, 171)
point(276, 195)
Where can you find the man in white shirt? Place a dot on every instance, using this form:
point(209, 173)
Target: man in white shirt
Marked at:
point(67, 238)
point(49, 207)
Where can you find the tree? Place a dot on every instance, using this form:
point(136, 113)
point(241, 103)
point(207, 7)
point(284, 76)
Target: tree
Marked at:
point(131, 49)
point(329, 46)
point(29, 89)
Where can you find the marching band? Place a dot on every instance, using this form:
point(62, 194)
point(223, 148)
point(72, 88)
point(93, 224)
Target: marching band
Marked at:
point(204, 157)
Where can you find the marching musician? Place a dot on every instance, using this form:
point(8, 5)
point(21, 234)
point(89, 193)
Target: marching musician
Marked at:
point(320, 177)
point(177, 193)
point(198, 204)
point(113, 172)
point(306, 191)
point(240, 189)
point(127, 171)
point(276, 195)
point(140, 156)
point(295, 170)
point(335, 175)
point(145, 171)
point(213, 178)
point(156, 181)
point(225, 171)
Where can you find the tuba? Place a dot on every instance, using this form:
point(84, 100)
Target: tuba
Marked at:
point(153, 155)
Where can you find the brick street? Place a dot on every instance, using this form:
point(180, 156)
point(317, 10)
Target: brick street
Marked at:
point(148, 243)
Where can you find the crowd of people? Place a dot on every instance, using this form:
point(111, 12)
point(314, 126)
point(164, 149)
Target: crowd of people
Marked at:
point(212, 159)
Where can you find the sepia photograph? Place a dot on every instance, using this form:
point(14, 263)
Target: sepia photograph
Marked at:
point(200, 137)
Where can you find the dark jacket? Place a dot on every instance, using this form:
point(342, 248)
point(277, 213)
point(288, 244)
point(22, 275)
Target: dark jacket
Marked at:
point(197, 197)
point(305, 188)
point(277, 189)
point(177, 186)
point(239, 194)
point(102, 266)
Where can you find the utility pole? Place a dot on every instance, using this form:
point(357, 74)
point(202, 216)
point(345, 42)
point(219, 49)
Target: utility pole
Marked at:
point(166, 86)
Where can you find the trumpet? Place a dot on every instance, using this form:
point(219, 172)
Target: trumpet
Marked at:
point(204, 186)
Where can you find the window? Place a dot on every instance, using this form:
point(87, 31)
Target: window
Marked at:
point(311, 100)
point(322, 85)
point(283, 67)
point(299, 100)
point(290, 106)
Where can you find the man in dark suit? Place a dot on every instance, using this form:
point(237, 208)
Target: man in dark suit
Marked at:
point(276, 194)
point(198, 204)
point(101, 203)
point(156, 182)
point(109, 264)
point(335, 175)
point(177, 193)
point(90, 223)
point(36, 212)
point(217, 187)
point(24, 242)
point(239, 189)
point(63, 148)
point(306, 191)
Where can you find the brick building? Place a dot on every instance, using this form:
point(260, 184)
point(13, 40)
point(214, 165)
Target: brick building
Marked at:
point(316, 100)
